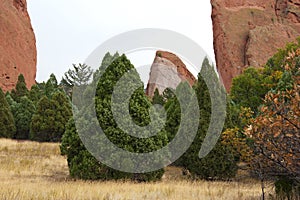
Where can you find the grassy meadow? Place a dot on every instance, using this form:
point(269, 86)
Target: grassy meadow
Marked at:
point(31, 170)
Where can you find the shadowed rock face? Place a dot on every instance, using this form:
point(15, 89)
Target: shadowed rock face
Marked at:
point(248, 33)
point(166, 71)
point(17, 44)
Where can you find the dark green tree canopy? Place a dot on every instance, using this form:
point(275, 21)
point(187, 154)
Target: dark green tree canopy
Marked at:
point(36, 92)
point(220, 162)
point(106, 61)
point(157, 98)
point(81, 162)
point(7, 123)
point(51, 86)
point(249, 89)
point(20, 90)
point(51, 116)
point(22, 113)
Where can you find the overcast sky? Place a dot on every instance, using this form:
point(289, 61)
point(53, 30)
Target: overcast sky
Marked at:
point(67, 31)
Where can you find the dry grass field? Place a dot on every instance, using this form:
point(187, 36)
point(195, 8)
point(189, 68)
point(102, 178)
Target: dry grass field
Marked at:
point(30, 170)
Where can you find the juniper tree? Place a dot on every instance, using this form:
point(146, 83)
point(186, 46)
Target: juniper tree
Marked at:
point(7, 123)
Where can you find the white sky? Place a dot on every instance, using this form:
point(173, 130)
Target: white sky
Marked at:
point(67, 31)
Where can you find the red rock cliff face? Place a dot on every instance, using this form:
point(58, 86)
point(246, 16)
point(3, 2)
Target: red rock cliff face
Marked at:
point(248, 33)
point(166, 71)
point(17, 44)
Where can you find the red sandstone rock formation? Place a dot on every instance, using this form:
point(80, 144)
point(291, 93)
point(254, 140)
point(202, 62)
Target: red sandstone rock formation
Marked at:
point(248, 33)
point(166, 71)
point(17, 44)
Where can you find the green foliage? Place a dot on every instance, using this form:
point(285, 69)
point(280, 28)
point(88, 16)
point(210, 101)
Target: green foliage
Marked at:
point(48, 122)
point(51, 86)
point(20, 90)
point(220, 163)
point(81, 163)
point(139, 106)
point(7, 123)
point(11, 102)
point(172, 107)
point(106, 61)
point(78, 76)
point(42, 124)
point(23, 112)
point(157, 98)
point(85, 166)
point(275, 129)
point(249, 89)
point(36, 92)
point(278, 61)
point(286, 82)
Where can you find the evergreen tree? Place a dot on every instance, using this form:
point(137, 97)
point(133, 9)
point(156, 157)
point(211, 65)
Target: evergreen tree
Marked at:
point(36, 92)
point(20, 90)
point(22, 113)
point(63, 110)
point(139, 105)
point(172, 107)
point(78, 76)
point(138, 108)
point(7, 124)
point(157, 98)
point(51, 116)
point(11, 102)
point(106, 61)
point(51, 86)
point(220, 163)
point(42, 123)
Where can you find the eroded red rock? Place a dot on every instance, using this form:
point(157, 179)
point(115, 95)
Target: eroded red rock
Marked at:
point(248, 33)
point(17, 44)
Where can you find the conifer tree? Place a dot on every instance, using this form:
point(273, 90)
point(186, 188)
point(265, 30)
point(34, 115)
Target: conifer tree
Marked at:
point(77, 76)
point(7, 123)
point(220, 163)
point(51, 86)
point(51, 116)
point(20, 90)
point(23, 112)
point(157, 98)
point(139, 105)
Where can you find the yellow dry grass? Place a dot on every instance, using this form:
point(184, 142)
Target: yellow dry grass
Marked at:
point(31, 170)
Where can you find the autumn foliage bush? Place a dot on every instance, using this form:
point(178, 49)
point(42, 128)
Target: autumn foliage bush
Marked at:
point(276, 129)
